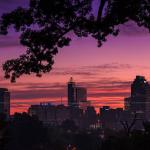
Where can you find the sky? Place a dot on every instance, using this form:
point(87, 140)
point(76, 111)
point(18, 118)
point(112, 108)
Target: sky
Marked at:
point(106, 72)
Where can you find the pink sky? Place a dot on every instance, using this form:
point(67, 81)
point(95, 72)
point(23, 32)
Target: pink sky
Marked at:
point(107, 72)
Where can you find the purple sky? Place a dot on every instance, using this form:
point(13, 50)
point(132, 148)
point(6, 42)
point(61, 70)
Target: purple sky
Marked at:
point(107, 71)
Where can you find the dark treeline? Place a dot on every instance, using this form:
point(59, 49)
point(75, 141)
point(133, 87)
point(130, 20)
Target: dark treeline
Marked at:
point(24, 132)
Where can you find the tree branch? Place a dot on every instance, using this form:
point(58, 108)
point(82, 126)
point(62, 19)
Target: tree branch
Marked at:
point(100, 10)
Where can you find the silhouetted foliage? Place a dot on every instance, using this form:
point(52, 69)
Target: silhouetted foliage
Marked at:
point(27, 133)
point(87, 141)
point(45, 24)
point(128, 126)
point(146, 126)
point(4, 132)
point(69, 125)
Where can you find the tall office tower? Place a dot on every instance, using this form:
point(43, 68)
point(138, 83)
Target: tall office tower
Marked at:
point(139, 86)
point(139, 101)
point(5, 101)
point(140, 90)
point(71, 93)
point(76, 95)
point(81, 94)
point(147, 106)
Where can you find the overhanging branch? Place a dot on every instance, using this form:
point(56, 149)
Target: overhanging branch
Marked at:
point(100, 10)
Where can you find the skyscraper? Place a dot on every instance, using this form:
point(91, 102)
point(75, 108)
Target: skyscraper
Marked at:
point(81, 94)
point(76, 94)
point(5, 101)
point(139, 86)
point(71, 93)
point(139, 101)
point(140, 90)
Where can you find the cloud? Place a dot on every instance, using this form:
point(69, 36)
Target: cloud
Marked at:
point(12, 3)
point(108, 91)
point(71, 72)
point(109, 83)
point(110, 66)
point(7, 6)
point(46, 86)
point(9, 41)
point(90, 71)
point(98, 88)
point(104, 102)
point(86, 72)
point(98, 79)
point(132, 29)
point(110, 94)
point(37, 94)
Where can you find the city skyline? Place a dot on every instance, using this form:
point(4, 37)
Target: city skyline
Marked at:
point(107, 71)
point(95, 103)
point(74, 74)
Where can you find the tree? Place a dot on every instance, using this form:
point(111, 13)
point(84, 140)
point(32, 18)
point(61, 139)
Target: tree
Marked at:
point(69, 125)
point(128, 126)
point(87, 141)
point(4, 131)
point(27, 133)
point(45, 25)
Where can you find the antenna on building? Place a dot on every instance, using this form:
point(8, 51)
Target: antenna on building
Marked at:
point(61, 100)
point(71, 79)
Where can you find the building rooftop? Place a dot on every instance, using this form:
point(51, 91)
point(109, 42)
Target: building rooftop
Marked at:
point(3, 89)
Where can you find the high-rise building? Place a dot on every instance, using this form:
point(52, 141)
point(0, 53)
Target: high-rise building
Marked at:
point(111, 118)
point(81, 94)
point(140, 90)
point(139, 86)
point(139, 101)
point(5, 101)
point(55, 114)
point(71, 93)
point(76, 94)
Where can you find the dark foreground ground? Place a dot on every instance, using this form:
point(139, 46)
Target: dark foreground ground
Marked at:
point(28, 133)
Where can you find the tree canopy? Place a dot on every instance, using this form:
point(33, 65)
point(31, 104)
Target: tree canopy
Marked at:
point(45, 24)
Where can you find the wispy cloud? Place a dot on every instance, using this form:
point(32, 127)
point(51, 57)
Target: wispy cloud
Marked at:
point(97, 79)
point(132, 29)
point(91, 70)
point(7, 6)
point(9, 41)
point(37, 94)
point(98, 88)
point(95, 71)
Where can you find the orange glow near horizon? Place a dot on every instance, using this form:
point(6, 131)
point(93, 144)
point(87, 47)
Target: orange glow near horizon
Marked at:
point(23, 105)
